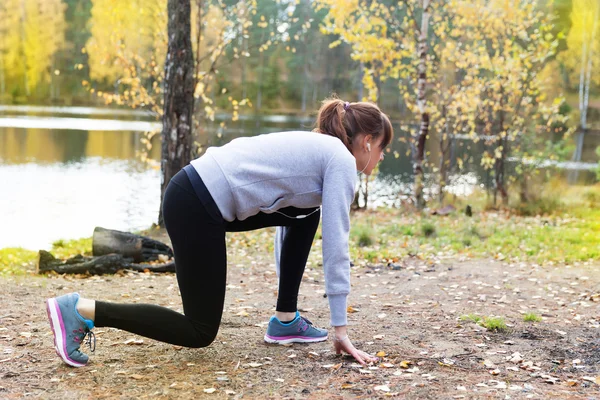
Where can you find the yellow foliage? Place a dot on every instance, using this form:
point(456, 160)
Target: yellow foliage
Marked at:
point(32, 31)
point(583, 28)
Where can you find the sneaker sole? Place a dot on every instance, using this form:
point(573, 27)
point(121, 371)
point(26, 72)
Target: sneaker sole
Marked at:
point(60, 336)
point(293, 339)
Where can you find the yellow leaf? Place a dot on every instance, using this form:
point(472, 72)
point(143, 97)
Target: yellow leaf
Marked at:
point(380, 354)
point(404, 364)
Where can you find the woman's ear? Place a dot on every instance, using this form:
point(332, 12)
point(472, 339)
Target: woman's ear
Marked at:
point(366, 142)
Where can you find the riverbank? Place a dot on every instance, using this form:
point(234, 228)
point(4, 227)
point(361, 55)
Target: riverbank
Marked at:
point(563, 227)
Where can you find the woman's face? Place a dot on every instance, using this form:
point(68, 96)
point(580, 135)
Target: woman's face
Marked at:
point(366, 160)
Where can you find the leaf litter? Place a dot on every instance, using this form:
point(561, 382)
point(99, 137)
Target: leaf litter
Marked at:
point(424, 348)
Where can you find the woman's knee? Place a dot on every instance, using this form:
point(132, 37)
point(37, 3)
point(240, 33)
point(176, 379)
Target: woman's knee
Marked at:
point(204, 336)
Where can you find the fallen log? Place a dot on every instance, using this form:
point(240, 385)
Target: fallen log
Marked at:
point(138, 248)
point(105, 264)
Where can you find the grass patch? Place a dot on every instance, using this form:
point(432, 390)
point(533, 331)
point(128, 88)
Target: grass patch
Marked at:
point(495, 324)
point(69, 248)
point(531, 317)
point(363, 235)
point(470, 317)
point(427, 229)
point(17, 261)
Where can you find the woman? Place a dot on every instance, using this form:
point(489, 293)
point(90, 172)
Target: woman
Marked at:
point(278, 179)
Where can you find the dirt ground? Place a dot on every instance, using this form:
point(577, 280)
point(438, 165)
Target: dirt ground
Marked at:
point(410, 312)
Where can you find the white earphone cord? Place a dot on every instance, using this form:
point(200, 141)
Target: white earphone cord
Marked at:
point(363, 170)
point(299, 216)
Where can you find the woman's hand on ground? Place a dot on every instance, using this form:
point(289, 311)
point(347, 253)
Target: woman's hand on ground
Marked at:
point(343, 344)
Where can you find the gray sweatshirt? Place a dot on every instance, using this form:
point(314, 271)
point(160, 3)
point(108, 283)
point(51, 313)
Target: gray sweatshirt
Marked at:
point(299, 169)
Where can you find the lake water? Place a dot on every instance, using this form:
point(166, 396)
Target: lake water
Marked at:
point(64, 171)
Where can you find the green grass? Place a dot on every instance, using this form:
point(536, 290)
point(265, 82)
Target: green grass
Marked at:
point(363, 235)
point(16, 261)
point(531, 317)
point(566, 235)
point(470, 317)
point(69, 248)
point(427, 229)
point(495, 324)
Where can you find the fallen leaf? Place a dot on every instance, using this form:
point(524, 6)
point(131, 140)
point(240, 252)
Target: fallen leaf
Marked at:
point(488, 364)
point(351, 309)
point(312, 354)
point(292, 355)
point(380, 354)
point(378, 337)
point(405, 363)
point(549, 379)
point(571, 382)
point(210, 390)
point(383, 388)
point(136, 376)
point(365, 371)
point(494, 371)
point(279, 380)
point(252, 365)
point(595, 380)
point(381, 316)
point(25, 334)
point(515, 358)
point(134, 341)
point(387, 365)
point(229, 392)
point(462, 388)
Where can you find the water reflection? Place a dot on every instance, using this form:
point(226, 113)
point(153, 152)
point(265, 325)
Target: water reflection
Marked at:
point(43, 202)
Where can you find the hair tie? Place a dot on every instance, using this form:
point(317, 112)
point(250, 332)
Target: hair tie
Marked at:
point(346, 106)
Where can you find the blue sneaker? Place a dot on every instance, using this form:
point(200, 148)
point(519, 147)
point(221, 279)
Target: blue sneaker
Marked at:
point(300, 330)
point(69, 329)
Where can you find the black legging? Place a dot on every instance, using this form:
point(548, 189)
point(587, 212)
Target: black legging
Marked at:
point(197, 234)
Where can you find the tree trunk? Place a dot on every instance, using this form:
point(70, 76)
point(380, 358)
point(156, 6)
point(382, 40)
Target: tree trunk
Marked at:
point(179, 96)
point(138, 248)
point(445, 145)
point(499, 165)
point(421, 137)
point(587, 49)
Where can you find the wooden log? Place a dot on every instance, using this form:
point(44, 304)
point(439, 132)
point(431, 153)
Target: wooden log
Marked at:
point(105, 264)
point(138, 248)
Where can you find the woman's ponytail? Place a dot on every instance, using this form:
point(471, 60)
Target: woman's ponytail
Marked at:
point(345, 120)
point(330, 120)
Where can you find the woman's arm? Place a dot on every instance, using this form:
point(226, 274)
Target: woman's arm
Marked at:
point(338, 193)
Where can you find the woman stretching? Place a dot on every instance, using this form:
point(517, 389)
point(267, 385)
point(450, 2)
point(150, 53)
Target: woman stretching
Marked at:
point(284, 179)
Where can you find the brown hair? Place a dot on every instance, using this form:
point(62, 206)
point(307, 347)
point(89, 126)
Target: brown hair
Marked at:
point(347, 120)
